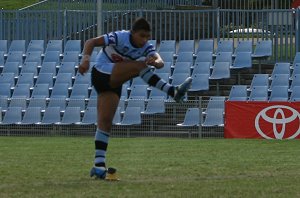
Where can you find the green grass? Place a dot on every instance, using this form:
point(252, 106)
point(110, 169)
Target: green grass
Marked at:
point(16, 4)
point(150, 167)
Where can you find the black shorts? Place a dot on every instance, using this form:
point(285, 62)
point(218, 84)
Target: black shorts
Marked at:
point(100, 81)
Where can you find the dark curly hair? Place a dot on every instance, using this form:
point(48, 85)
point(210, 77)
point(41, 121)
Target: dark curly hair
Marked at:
point(141, 24)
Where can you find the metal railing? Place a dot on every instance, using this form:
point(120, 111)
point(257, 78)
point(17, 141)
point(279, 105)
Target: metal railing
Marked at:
point(280, 26)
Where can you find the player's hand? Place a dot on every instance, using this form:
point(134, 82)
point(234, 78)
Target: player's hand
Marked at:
point(84, 67)
point(154, 61)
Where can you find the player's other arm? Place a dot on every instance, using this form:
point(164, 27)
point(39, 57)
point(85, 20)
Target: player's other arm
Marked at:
point(155, 60)
point(87, 51)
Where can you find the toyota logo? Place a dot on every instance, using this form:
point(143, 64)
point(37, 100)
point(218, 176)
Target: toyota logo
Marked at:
point(278, 119)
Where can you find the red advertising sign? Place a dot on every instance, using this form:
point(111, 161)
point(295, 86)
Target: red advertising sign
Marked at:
point(269, 120)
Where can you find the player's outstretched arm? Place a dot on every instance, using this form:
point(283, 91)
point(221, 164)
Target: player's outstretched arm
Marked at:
point(87, 51)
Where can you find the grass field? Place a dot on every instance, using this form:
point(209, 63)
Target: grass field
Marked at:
point(16, 4)
point(150, 167)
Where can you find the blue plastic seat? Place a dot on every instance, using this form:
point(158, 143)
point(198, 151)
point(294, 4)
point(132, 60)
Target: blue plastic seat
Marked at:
point(34, 56)
point(225, 46)
point(157, 94)
point(224, 57)
point(5, 90)
point(179, 78)
point(138, 92)
point(238, 93)
point(21, 91)
point(52, 56)
point(58, 102)
point(26, 78)
point(3, 46)
point(40, 91)
point(30, 67)
point(51, 116)
point(204, 56)
point(48, 67)
point(71, 56)
point(32, 115)
point(132, 116)
point(191, 118)
point(79, 91)
point(36, 46)
point(220, 70)
point(45, 78)
point(13, 115)
point(259, 80)
point(295, 81)
point(136, 103)
point(77, 102)
point(65, 78)
point(263, 49)
point(280, 80)
point(186, 46)
point(280, 68)
point(201, 68)
point(242, 60)
point(90, 116)
point(167, 46)
point(216, 102)
point(60, 90)
point(54, 45)
point(213, 117)
point(7, 78)
point(185, 57)
point(200, 82)
point(279, 93)
point(38, 102)
point(295, 94)
point(243, 46)
point(71, 116)
point(181, 67)
point(205, 45)
point(83, 79)
point(73, 46)
point(154, 106)
point(67, 67)
point(18, 102)
point(11, 67)
point(17, 45)
point(15, 56)
point(259, 93)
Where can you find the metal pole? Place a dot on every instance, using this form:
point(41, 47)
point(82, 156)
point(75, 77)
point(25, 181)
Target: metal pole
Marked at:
point(99, 17)
point(297, 28)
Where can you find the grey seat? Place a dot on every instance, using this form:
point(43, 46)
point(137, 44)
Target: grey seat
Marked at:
point(21, 91)
point(132, 116)
point(48, 67)
point(34, 56)
point(220, 70)
point(7, 78)
point(167, 46)
point(54, 45)
point(90, 116)
point(5, 90)
point(238, 93)
point(79, 91)
point(191, 118)
point(242, 60)
point(263, 49)
point(13, 115)
point(186, 46)
point(45, 78)
point(36, 46)
point(71, 116)
point(17, 45)
point(60, 90)
point(225, 46)
point(154, 106)
point(214, 117)
point(200, 82)
point(32, 115)
point(205, 45)
point(11, 67)
point(51, 116)
point(40, 91)
point(26, 78)
point(259, 93)
point(279, 93)
point(30, 67)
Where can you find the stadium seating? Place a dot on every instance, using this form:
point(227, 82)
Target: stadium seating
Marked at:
point(13, 115)
point(238, 93)
point(263, 49)
point(132, 116)
point(192, 118)
point(186, 46)
point(32, 115)
point(205, 45)
point(154, 106)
